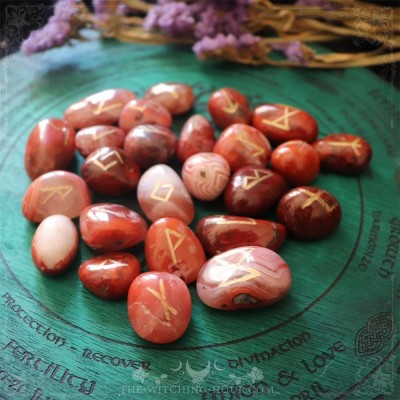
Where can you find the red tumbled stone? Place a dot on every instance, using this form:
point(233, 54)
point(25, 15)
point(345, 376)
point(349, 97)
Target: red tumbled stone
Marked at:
point(50, 146)
point(246, 277)
point(109, 171)
point(144, 112)
point(56, 192)
point(149, 145)
point(280, 123)
point(253, 191)
point(197, 136)
point(219, 233)
point(309, 213)
point(343, 153)
point(102, 108)
point(109, 276)
point(296, 161)
point(108, 227)
point(243, 145)
point(171, 246)
point(228, 106)
point(159, 307)
point(177, 98)
point(87, 140)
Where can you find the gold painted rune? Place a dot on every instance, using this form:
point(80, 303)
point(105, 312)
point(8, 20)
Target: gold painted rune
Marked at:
point(169, 233)
point(258, 150)
point(231, 106)
point(259, 176)
point(98, 136)
point(277, 123)
point(105, 167)
point(107, 264)
point(312, 197)
point(163, 298)
point(101, 107)
point(249, 221)
point(159, 188)
point(355, 145)
point(61, 190)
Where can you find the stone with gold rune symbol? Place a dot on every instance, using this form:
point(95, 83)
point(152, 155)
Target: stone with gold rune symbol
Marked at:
point(159, 306)
point(109, 276)
point(109, 171)
point(171, 246)
point(161, 193)
point(102, 108)
point(219, 233)
point(56, 192)
point(50, 147)
point(309, 213)
point(108, 227)
point(228, 106)
point(246, 277)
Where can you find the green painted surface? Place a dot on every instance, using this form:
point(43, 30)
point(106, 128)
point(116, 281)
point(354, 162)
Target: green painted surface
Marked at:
point(334, 336)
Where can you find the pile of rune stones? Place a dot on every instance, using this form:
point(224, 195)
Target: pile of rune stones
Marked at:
point(127, 143)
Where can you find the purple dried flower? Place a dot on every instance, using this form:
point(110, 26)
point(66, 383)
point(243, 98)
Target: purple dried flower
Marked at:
point(64, 10)
point(294, 51)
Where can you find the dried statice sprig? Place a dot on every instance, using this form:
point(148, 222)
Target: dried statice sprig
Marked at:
point(244, 31)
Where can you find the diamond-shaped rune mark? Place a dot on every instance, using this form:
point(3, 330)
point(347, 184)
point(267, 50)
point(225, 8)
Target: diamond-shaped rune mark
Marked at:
point(277, 122)
point(162, 191)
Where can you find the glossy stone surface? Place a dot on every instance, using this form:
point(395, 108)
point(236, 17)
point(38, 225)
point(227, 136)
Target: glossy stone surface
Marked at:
point(253, 191)
point(309, 213)
point(109, 276)
point(228, 106)
point(280, 123)
point(205, 175)
point(177, 98)
point(171, 246)
point(102, 108)
point(54, 244)
point(50, 146)
point(144, 112)
point(149, 145)
point(108, 227)
point(197, 136)
point(88, 140)
point(246, 277)
point(161, 193)
point(159, 307)
point(56, 192)
point(219, 233)
point(243, 145)
point(110, 171)
point(296, 161)
point(343, 153)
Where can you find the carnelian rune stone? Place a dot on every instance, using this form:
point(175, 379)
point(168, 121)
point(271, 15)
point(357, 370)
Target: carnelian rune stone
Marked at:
point(109, 276)
point(56, 192)
point(159, 306)
point(108, 227)
point(219, 233)
point(50, 147)
point(246, 277)
point(171, 246)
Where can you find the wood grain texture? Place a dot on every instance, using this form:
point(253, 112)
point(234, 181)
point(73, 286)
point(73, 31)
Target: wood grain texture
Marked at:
point(334, 336)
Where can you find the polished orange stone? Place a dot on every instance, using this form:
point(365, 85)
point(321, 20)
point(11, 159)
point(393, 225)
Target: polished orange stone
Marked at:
point(246, 277)
point(177, 98)
point(50, 147)
point(219, 233)
point(108, 227)
point(56, 192)
point(109, 276)
point(228, 106)
point(197, 136)
point(110, 171)
point(280, 123)
point(171, 246)
point(102, 108)
point(159, 306)
point(88, 140)
point(144, 112)
point(243, 145)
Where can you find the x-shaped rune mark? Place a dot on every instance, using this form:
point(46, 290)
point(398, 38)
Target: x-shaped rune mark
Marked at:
point(316, 197)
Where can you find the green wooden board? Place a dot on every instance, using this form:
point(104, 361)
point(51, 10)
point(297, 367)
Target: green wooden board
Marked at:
point(333, 337)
